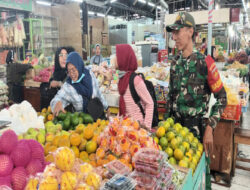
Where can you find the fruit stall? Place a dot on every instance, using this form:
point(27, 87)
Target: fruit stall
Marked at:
point(72, 151)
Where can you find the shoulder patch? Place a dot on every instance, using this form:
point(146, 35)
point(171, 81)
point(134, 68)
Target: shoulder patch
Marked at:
point(213, 77)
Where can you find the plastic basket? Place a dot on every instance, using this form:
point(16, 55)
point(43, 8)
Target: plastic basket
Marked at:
point(232, 112)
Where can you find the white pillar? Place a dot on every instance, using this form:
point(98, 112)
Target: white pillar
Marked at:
point(210, 21)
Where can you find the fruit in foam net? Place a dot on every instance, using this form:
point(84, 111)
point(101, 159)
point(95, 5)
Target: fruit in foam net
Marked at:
point(8, 141)
point(32, 184)
point(21, 155)
point(64, 158)
point(93, 180)
point(49, 183)
point(68, 181)
point(6, 165)
point(18, 178)
point(34, 167)
point(83, 186)
point(86, 168)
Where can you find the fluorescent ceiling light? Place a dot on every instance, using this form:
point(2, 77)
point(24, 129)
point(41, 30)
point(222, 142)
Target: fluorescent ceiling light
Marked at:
point(80, 1)
point(112, 17)
point(217, 6)
point(151, 4)
point(142, 1)
point(91, 13)
point(112, 1)
point(46, 3)
point(159, 7)
point(100, 14)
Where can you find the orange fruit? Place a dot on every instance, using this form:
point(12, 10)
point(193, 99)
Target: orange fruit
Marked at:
point(111, 157)
point(44, 110)
point(91, 146)
point(92, 157)
point(136, 125)
point(49, 158)
point(178, 154)
point(123, 161)
point(49, 109)
point(84, 156)
point(76, 151)
point(99, 162)
point(75, 139)
point(93, 163)
point(55, 141)
point(105, 161)
point(124, 145)
point(88, 132)
point(50, 117)
point(126, 157)
point(98, 121)
point(95, 138)
point(46, 147)
point(100, 153)
point(133, 149)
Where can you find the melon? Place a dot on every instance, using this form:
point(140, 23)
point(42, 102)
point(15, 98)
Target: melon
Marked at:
point(8, 141)
point(35, 166)
point(21, 155)
point(37, 151)
point(5, 181)
point(6, 165)
point(19, 178)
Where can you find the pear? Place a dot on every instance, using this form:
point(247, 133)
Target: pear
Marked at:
point(32, 131)
point(42, 131)
point(65, 133)
point(51, 129)
point(20, 137)
point(41, 138)
point(59, 127)
point(28, 137)
point(48, 124)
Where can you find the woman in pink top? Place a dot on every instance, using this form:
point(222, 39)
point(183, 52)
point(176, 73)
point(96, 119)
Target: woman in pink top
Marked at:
point(126, 62)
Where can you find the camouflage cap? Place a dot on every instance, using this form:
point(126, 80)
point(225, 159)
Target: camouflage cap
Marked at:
point(183, 19)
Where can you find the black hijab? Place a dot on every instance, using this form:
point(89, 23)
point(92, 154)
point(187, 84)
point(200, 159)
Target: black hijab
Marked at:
point(60, 74)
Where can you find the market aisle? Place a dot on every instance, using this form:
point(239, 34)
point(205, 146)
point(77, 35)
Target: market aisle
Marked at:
point(241, 181)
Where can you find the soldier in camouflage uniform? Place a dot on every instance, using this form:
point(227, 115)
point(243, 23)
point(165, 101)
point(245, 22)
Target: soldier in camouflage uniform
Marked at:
point(193, 78)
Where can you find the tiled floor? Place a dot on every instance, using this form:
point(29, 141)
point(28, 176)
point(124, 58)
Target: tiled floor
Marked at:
point(241, 181)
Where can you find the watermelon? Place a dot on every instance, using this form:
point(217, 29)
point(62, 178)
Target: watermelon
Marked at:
point(21, 155)
point(19, 178)
point(35, 166)
point(8, 141)
point(6, 165)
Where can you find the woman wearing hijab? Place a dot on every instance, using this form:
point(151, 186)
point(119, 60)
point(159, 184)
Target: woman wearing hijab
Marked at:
point(97, 58)
point(125, 61)
point(49, 90)
point(80, 86)
point(60, 73)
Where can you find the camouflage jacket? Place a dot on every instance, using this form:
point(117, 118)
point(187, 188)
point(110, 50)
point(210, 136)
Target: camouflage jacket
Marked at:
point(190, 91)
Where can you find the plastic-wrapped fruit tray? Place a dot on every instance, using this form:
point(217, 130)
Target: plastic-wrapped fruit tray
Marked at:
point(145, 182)
point(117, 167)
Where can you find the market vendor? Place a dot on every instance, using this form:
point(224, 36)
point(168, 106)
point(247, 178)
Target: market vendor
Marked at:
point(60, 73)
point(49, 90)
point(125, 61)
point(193, 78)
point(81, 85)
point(97, 58)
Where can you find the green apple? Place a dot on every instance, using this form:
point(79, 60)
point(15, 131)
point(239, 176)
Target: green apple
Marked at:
point(42, 131)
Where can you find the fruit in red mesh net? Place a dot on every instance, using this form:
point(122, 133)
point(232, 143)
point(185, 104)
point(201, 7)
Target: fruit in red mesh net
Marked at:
point(6, 180)
point(34, 167)
point(6, 165)
point(37, 151)
point(21, 155)
point(8, 141)
point(18, 178)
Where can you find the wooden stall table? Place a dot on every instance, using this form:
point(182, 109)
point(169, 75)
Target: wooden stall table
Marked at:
point(31, 93)
point(223, 149)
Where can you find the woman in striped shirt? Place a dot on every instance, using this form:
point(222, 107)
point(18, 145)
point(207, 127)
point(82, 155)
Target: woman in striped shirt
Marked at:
point(125, 61)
